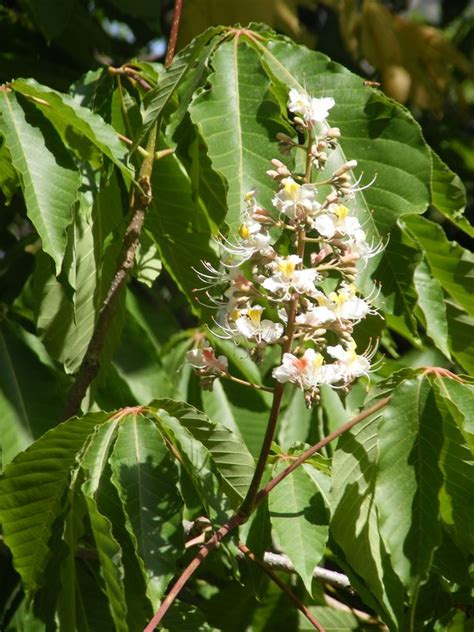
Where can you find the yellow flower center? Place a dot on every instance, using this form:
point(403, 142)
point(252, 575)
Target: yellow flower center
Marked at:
point(244, 231)
point(255, 315)
point(291, 188)
point(317, 361)
point(286, 268)
point(342, 212)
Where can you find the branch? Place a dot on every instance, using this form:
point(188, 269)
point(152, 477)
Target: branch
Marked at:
point(174, 33)
point(89, 368)
point(307, 613)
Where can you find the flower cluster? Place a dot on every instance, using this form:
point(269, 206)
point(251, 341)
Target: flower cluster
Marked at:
point(288, 276)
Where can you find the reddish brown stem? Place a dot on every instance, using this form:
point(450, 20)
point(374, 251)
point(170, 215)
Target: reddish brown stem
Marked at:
point(263, 493)
point(178, 6)
point(274, 577)
point(210, 545)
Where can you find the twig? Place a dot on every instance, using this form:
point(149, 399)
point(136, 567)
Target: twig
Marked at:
point(178, 6)
point(307, 613)
point(282, 562)
point(263, 493)
point(360, 614)
point(89, 368)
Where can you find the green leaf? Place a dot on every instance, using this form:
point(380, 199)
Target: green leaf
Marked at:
point(449, 195)
point(409, 479)
point(460, 396)
point(295, 422)
point(108, 549)
point(76, 124)
point(233, 461)
point(457, 464)
point(332, 620)
point(9, 182)
point(299, 517)
point(146, 479)
point(32, 490)
point(354, 523)
point(450, 264)
point(147, 265)
point(48, 178)
point(240, 140)
point(182, 617)
point(431, 302)
point(169, 81)
point(461, 336)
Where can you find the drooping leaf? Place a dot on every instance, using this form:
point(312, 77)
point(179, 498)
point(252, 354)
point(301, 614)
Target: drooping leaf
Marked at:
point(461, 339)
point(159, 97)
point(9, 182)
point(32, 490)
point(232, 459)
point(146, 479)
point(75, 123)
point(410, 439)
point(450, 264)
point(449, 195)
point(299, 517)
point(241, 141)
point(431, 301)
point(48, 178)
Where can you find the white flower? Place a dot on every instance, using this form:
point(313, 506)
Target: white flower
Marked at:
point(345, 305)
point(336, 222)
point(358, 246)
point(205, 360)
point(296, 201)
point(288, 277)
point(250, 325)
point(351, 364)
point(308, 372)
point(252, 240)
point(312, 110)
point(315, 317)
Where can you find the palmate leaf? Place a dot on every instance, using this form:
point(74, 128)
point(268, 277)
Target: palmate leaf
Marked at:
point(299, 516)
point(240, 140)
point(409, 479)
point(75, 123)
point(146, 478)
point(48, 177)
point(32, 490)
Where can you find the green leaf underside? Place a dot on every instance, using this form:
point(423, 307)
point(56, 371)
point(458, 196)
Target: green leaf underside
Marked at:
point(354, 523)
point(233, 460)
point(409, 479)
point(241, 142)
point(49, 183)
point(146, 479)
point(71, 119)
point(31, 494)
point(299, 518)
